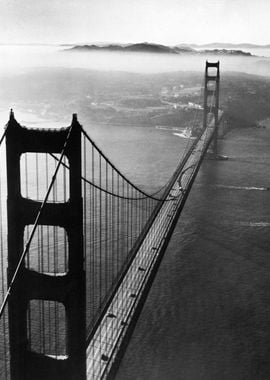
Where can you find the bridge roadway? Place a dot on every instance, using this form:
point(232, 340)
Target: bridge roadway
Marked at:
point(103, 348)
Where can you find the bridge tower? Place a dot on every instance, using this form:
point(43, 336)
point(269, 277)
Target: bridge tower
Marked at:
point(67, 289)
point(211, 100)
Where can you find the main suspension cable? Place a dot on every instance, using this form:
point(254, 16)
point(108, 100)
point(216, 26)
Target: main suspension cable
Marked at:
point(118, 195)
point(146, 195)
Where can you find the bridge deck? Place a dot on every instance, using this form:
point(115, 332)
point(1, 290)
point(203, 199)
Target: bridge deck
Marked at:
point(103, 348)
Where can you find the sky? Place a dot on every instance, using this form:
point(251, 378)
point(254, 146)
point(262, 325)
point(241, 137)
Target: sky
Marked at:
point(160, 21)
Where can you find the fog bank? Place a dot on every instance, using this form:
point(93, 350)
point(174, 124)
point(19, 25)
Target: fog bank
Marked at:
point(16, 58)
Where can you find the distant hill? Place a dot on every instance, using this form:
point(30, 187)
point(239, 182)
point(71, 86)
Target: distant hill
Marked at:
point(146, 47)
point(143, 47)
point(222, 45)
point(225, 52)
point(150, 48)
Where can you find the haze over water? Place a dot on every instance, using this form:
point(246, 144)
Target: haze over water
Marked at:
point(14, 58)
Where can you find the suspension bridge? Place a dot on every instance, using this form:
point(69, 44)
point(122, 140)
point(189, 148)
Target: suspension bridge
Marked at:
point(80, 245)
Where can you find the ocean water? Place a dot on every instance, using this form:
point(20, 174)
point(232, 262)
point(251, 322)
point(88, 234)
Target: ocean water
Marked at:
point(207, 314)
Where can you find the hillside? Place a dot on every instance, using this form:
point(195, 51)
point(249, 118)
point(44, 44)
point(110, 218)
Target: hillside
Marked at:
point(132, 99)
point(146, 47)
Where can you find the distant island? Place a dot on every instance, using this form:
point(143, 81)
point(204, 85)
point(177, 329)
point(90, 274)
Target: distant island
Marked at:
point(143, 47)
point(146, 47)
point(225, 45)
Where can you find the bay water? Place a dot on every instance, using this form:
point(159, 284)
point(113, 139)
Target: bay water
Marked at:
point(207, 315)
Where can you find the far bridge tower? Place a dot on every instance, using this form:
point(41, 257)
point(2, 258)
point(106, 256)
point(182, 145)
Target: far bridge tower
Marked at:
point(211, 100)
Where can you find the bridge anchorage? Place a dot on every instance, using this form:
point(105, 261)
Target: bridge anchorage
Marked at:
point(84, 245)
